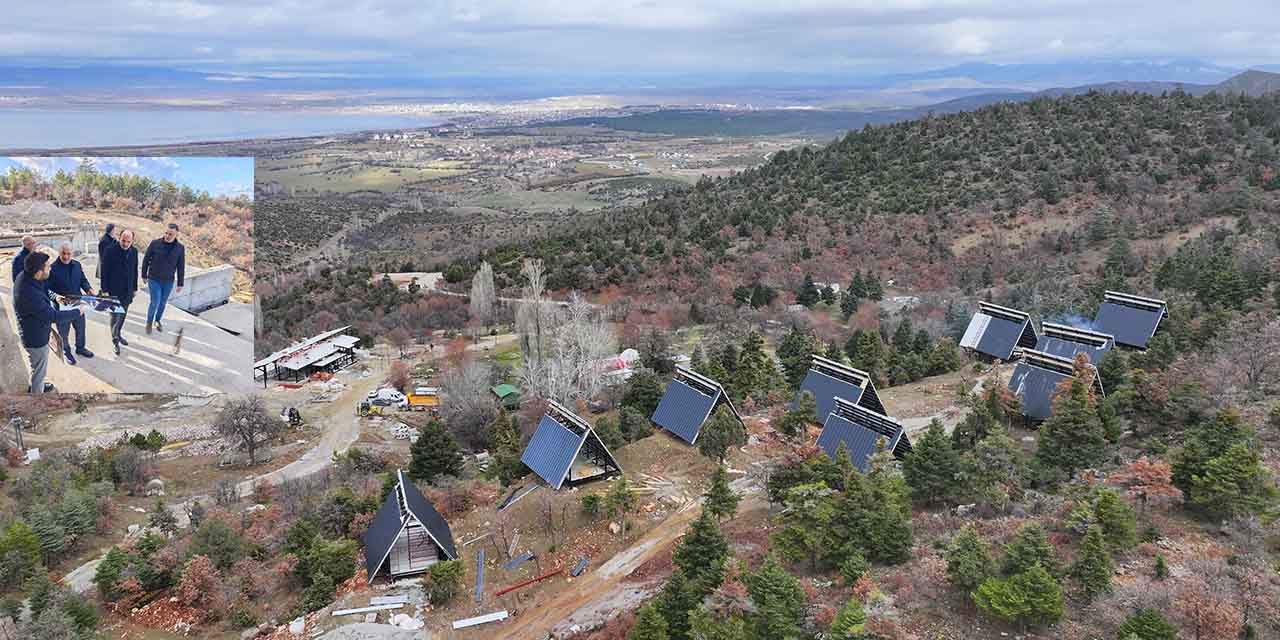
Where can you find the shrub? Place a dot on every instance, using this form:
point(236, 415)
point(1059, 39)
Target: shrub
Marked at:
point(444, 580)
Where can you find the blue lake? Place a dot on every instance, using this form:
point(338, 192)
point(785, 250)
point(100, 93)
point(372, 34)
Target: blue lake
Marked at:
point(55, 129)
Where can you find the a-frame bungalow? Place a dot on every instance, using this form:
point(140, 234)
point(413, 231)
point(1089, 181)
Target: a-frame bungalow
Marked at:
point(995, 332)
point(407, 534)
point(688, 402)
point(1133, 320)
point(566, 450)
point(1036, 379)
point(860, 429)
point(1066, 341)
point(828, 380)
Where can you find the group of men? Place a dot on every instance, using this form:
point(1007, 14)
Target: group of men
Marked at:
point(38, 279)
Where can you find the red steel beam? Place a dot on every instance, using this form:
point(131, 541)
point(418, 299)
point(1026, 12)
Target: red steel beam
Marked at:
point(529, 582)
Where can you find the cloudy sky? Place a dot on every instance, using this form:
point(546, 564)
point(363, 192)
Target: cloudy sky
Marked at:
point(440, 37)
point(218, 176)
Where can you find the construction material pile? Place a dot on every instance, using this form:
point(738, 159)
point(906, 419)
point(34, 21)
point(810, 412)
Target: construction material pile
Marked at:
point(171, 434)
point(26, 214)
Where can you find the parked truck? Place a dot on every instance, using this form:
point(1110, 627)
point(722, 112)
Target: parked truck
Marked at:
point(425, 399)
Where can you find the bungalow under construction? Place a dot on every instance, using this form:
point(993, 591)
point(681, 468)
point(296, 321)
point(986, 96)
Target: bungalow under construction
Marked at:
point(566, 450)
point(407, 534)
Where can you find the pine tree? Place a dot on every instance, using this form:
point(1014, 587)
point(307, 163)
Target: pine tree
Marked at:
point(1114, 370)
point(504, 442)
point(850, 621)
point(968, 561)
point(755, 373)
point(1028, 547)
point(809, 293)
point(53, 538)
point(1148, 624)
point(875, 291)
point(704, 625)
point(1116, 517)
point(719, 434)
point(1093, 567)
point(644, 392)
point(779, 601)
point(796, 422)
point(1204, 442)
point(1043, 595)
point(720, 500)
point(1161, 569)
point(20, 552)
point(678, 598)
point(855, 566)
point(933, 468)
point(650, 625)
point(997, 470)
point(1072, 438)
point(434, 454)
point(805, 533)
point(703, 553)
point(110, 571)
point(795, 351)
point(320, 593)
point(889, 537)
point(1233, 484)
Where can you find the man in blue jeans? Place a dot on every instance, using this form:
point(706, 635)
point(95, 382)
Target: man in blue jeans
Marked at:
point(164, 263)
point(66, 278)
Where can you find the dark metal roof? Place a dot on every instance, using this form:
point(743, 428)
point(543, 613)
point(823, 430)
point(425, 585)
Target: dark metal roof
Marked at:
point(423, 510)
point(1065, 341)
point(551, 451)
point(688, 402)
point(389, 521)
point(1133, 320)
point(996, 331)
point(683, 409)
point(382, 533)
point(858, 440)
point(859, 429)
point(1036, 379)
point(828, 380)
point(560, 436)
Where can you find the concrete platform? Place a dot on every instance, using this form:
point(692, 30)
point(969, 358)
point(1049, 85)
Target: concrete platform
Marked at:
point(210, 360)
point(236, 317)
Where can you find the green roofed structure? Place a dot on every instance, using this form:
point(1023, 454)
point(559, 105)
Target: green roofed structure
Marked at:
point(507, 394)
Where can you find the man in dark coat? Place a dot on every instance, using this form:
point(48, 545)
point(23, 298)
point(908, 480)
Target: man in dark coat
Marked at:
point(105, 241)
point(66, 278)
point(36, 316)
point(120, 280)
point(164, 263)
point(28, 245)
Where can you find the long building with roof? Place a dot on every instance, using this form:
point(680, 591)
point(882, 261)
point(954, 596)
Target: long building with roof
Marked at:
point(330, 351)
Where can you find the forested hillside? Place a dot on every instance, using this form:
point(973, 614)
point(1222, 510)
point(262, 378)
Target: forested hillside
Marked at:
point(1029, 194)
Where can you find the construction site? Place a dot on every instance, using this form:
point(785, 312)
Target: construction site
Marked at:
point(207, 342)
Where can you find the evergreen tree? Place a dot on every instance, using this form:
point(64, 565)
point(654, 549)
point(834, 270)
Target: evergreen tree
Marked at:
point(968, 561)
point(933, 468)
point(805, 533)
point(1148, 624)
point(320, 593)
point(1072, 438)
point(20, 553)
point(110, 571)
point(704, 625)
point(650, 625)
point(720, 433)
point(779, 601)
point(698, 360)
point(1161, 569)
point(809, 294)
point(756, 373)
point(996, 468)
point(1030, 597)
point(850, 621)
point(795, 423)
point(161, 518)
point(795, 351)
point(875, 291)
point(53, 538)
point(1117, 519)
point(504, 443)
point(720, 500)
point(678, 598)
point(1028, 547)
point(888, 511)
point(643, 393)
point(1093, 567)
point(434, 454)
point(854, 567)
point(904, 336)
point(1114, 370)
point(703, 553)
point(1233, 484)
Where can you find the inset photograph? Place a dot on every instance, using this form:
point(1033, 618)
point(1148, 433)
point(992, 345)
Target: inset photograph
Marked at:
point(126, 275)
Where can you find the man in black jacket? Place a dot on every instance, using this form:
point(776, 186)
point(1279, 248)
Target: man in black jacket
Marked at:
point(28, 245)
point(120, 280)
point(36, 315)
point(105, 241)
point(66, 278)
point(165, 262)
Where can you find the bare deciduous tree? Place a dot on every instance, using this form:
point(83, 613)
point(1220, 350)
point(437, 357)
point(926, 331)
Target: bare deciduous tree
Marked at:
point(482, 294)
point(579, 341)
point(249, 424)
point(468, 404)
point(530, 316)
point(1249, 358)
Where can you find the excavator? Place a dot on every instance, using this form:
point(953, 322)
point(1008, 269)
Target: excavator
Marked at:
point(366, 409)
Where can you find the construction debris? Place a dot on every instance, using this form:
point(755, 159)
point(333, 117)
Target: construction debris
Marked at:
point(381, 607)
point(529, 582)
point(579, 568)
point(515, 542)
point(517, 561)
point(479, 574)
point(513, 498)
point(478, 620)
point(478, 538)
point(381, 600)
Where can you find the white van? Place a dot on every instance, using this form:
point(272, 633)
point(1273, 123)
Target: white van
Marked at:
point(388, 397)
